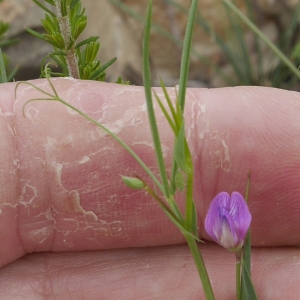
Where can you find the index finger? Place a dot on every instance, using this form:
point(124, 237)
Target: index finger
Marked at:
point(61, 182)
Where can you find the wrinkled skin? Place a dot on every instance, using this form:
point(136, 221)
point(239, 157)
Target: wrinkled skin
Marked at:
point(61, 193)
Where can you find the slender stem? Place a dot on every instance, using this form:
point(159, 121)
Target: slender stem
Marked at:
point(119, 140)
point(260, 34)
point(209, 294)
point(55, 97)
point(65, 29)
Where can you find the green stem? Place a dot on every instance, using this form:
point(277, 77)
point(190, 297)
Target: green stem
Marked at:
point(209, 294)
point(120, 141)
point(65, 28)
point(260, 34)
point(189, 206)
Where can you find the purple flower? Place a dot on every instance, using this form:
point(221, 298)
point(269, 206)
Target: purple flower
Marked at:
point(228, 219)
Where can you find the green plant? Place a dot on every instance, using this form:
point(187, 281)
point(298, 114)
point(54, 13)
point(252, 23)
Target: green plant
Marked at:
point(77, 59)
point(247, 66)
point(4, 77)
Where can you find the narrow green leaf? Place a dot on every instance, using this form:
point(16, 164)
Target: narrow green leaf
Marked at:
point(170, 104)
point(3, 76)
point(57, 60)
point(8, 42)
point(73, 4)
point(59, 53)
point(50, 2)
point(86, 41)
point(247, 253)
point(36, 34)
point(185, 60)
point(12, 74)
point(45, 8)
point(166, 114)
point(241, 53)
point(248, 290)
point(102, 68)
point(3, 28)
point(149, 102)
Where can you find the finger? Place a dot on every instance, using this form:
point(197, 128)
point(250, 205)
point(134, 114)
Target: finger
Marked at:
point(147, 273)
point(64, 190)
point(257, 129)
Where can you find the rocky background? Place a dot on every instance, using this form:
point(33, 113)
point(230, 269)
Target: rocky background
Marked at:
point(121, 36)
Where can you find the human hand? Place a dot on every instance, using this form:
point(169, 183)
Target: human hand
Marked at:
point(61, 193)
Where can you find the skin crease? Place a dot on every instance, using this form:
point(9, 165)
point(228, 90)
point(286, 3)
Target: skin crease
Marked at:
point(61, 193)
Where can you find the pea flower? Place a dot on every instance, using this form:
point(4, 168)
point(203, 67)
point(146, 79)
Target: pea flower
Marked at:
point(227, 220)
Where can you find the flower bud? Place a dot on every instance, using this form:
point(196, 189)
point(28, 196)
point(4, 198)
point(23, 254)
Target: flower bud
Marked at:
point(133, 183)
point(227, 220)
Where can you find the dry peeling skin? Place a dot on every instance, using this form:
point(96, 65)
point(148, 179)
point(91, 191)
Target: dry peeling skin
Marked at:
point(60, 174)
